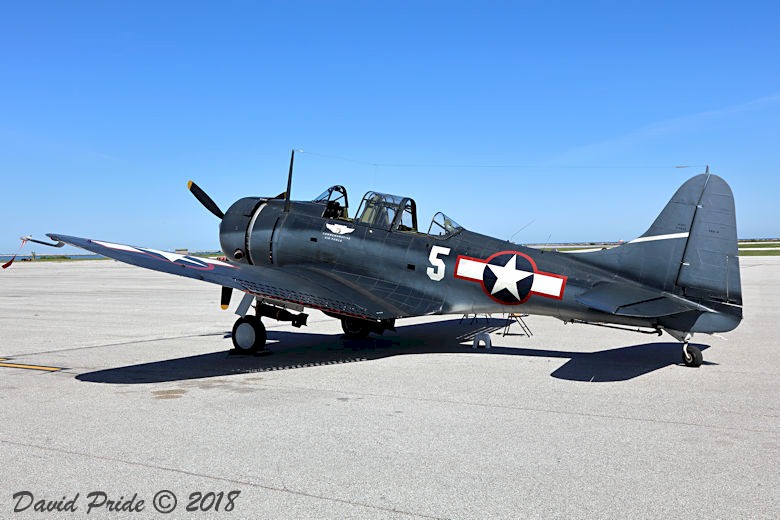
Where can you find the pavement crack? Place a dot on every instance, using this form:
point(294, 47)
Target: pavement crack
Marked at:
point(117, 344)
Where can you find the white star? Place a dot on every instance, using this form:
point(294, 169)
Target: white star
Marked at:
point(508, 276)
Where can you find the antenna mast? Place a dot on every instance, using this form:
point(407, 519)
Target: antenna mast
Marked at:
point(289, 183)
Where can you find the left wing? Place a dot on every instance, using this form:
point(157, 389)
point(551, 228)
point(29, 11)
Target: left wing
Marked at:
point(312, 286)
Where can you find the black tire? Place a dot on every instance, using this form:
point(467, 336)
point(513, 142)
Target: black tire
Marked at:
point(355, 328)
point(694, 358)
point(248, 335)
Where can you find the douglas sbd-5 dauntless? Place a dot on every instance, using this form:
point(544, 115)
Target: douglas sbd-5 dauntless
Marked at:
point(681, 276)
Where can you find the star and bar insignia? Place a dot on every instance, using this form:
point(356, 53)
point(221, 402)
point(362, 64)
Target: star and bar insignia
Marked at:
point(510, 277)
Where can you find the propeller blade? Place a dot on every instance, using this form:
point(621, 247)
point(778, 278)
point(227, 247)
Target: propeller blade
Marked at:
point(205, 200)
point(227, 292)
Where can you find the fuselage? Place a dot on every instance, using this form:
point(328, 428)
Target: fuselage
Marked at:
point(462, 271)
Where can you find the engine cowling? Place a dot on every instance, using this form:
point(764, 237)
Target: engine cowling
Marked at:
point(234, 227)
point(246, 232)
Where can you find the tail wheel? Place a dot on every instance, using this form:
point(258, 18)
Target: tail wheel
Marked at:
point(249, 335)
point(692, 356)
point(355, 328)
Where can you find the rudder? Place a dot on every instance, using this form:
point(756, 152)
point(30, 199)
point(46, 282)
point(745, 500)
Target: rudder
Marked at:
point(710, 264)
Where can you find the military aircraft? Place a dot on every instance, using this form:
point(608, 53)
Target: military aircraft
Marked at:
point(681, 276)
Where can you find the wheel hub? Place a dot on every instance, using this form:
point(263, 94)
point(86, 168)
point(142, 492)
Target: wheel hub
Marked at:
point(245, 336)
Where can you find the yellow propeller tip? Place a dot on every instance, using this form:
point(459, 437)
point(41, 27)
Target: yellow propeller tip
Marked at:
point(224, 307)
point(189, 185)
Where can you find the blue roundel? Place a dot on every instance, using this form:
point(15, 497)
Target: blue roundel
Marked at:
point(508, 278)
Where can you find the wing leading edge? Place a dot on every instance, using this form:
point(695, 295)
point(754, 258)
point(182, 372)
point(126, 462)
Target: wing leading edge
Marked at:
point(309, 286)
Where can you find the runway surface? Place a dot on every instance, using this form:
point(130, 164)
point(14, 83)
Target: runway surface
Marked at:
point(573, 422)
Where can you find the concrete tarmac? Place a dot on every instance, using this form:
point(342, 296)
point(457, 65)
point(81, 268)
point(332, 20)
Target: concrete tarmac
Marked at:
point(573, 422)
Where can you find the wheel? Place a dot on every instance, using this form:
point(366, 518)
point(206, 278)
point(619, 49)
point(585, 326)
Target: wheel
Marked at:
point(692, 356)
point(355, 328)
point(248, 335)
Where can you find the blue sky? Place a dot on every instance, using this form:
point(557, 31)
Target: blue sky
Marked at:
point(572, 115)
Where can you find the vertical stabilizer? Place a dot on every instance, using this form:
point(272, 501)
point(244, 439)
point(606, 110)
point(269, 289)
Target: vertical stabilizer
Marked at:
point(691, 247)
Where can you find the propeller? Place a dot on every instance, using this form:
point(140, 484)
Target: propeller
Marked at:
point(204, 199)
point(210, 205)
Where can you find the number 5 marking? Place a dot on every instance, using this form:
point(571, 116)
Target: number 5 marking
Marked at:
point(436, 273)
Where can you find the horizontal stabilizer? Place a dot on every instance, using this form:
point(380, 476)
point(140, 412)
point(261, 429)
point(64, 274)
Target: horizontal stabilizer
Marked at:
point(625, 300)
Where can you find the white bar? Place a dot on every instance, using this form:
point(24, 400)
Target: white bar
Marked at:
point(591, 250)
point(548, 285)
point(120, 247)
point(470, 269)
point(659, 237)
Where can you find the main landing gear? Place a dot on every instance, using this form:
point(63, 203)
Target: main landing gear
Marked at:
point(355, 328)
point(249, 335)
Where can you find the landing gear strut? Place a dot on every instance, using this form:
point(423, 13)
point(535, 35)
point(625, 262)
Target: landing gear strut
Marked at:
point(249, 334)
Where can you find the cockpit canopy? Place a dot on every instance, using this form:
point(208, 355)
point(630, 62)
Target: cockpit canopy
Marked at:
point(442, 225)
point(383, 211)
point(390, 212)
point(336, 203)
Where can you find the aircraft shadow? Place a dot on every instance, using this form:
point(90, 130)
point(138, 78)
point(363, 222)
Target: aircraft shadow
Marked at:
point(292, 350)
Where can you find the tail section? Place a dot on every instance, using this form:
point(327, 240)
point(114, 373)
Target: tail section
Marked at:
point(690, 249)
